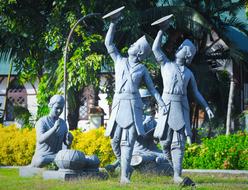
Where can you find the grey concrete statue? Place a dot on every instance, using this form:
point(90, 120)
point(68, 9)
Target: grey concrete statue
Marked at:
point(51, 134)
point(125, 122)
point(145, 146)
point(146, 156)
point(174, 127)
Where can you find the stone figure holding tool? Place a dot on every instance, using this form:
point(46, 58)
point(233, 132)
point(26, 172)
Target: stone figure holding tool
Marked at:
point(125, 122)
point(173, 128)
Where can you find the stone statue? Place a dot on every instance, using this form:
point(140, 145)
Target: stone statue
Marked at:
point(51, 134)
point(125, 122)
point(146, 156)
point(174, 127)
point(144, 146)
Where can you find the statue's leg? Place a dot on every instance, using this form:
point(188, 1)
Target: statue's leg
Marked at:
point(39, 161)
point(165, 143)
point(177, 151)
point(115, 142)
point(129, 137)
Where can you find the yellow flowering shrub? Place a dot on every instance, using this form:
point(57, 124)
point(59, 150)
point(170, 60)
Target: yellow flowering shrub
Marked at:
point(16, 145)
point(94, 142)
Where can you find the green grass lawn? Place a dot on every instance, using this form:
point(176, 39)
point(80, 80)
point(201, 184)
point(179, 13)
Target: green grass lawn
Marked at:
point(10, 180)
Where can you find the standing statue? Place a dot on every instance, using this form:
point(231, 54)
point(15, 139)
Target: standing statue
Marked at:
point(146, 156)
point(174, 127)
point(125, 122)
point(51, 134)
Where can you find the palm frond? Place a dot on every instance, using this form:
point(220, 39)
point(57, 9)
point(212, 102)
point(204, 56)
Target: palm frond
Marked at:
point(5, 57)
point(238, 55)
point(229, 6)
point(171, 2)
point(237, 23)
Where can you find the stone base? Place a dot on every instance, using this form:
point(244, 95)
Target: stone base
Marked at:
point(28, 171)
point(67, 175)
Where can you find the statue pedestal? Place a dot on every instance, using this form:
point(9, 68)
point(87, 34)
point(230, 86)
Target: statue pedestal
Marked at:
point(68, 175)
point(28, 171)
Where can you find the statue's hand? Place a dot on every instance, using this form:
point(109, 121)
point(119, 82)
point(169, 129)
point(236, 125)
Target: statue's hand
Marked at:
point(163, 110)
point(210, 113)
point(69, 139)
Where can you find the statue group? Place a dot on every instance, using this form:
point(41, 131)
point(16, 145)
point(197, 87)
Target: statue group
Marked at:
point(173, 127)
point(132, 127)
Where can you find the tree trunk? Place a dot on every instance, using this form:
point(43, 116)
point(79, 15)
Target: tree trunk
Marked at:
point(73, 108)
point(230, 105)
point(6, 93)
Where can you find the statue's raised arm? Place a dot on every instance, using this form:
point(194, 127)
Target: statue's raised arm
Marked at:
point(156, 47)
point(174, 127)
point(125, 122)
point(112, 50)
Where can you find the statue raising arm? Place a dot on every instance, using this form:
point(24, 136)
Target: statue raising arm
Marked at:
point(112, 50)
point(164, 24)
point(156, 48)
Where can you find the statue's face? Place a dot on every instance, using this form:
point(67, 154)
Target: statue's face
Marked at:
point(181, 52)
point(134, 49)
point(57, 109)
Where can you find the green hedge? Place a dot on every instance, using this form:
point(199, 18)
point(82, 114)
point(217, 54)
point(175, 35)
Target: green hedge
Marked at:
point(222, 152)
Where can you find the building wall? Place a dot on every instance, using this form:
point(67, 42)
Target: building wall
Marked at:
point(31, 103)
point(31, 98)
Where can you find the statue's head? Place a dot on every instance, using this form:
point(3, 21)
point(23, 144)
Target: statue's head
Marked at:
point(56, 105)
point(186, 51)
point(141, 48)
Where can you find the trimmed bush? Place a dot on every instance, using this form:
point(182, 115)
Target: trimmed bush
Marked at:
point(17, 146)
point(94, 142)
point(222, 152)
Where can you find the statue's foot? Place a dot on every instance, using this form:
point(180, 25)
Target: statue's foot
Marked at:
point(177, 179)
point(110, 168)
point(187, 182)
point(130, 172)
point(124, 181)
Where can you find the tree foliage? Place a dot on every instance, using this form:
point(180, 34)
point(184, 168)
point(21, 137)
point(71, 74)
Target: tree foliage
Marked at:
point(37, 31)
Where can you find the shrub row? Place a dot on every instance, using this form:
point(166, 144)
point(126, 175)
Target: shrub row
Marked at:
point(223, 152)
point(94, 142)
point(17, 146)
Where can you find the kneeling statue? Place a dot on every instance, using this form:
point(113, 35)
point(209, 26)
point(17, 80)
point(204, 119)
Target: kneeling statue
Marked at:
point(52, 134)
